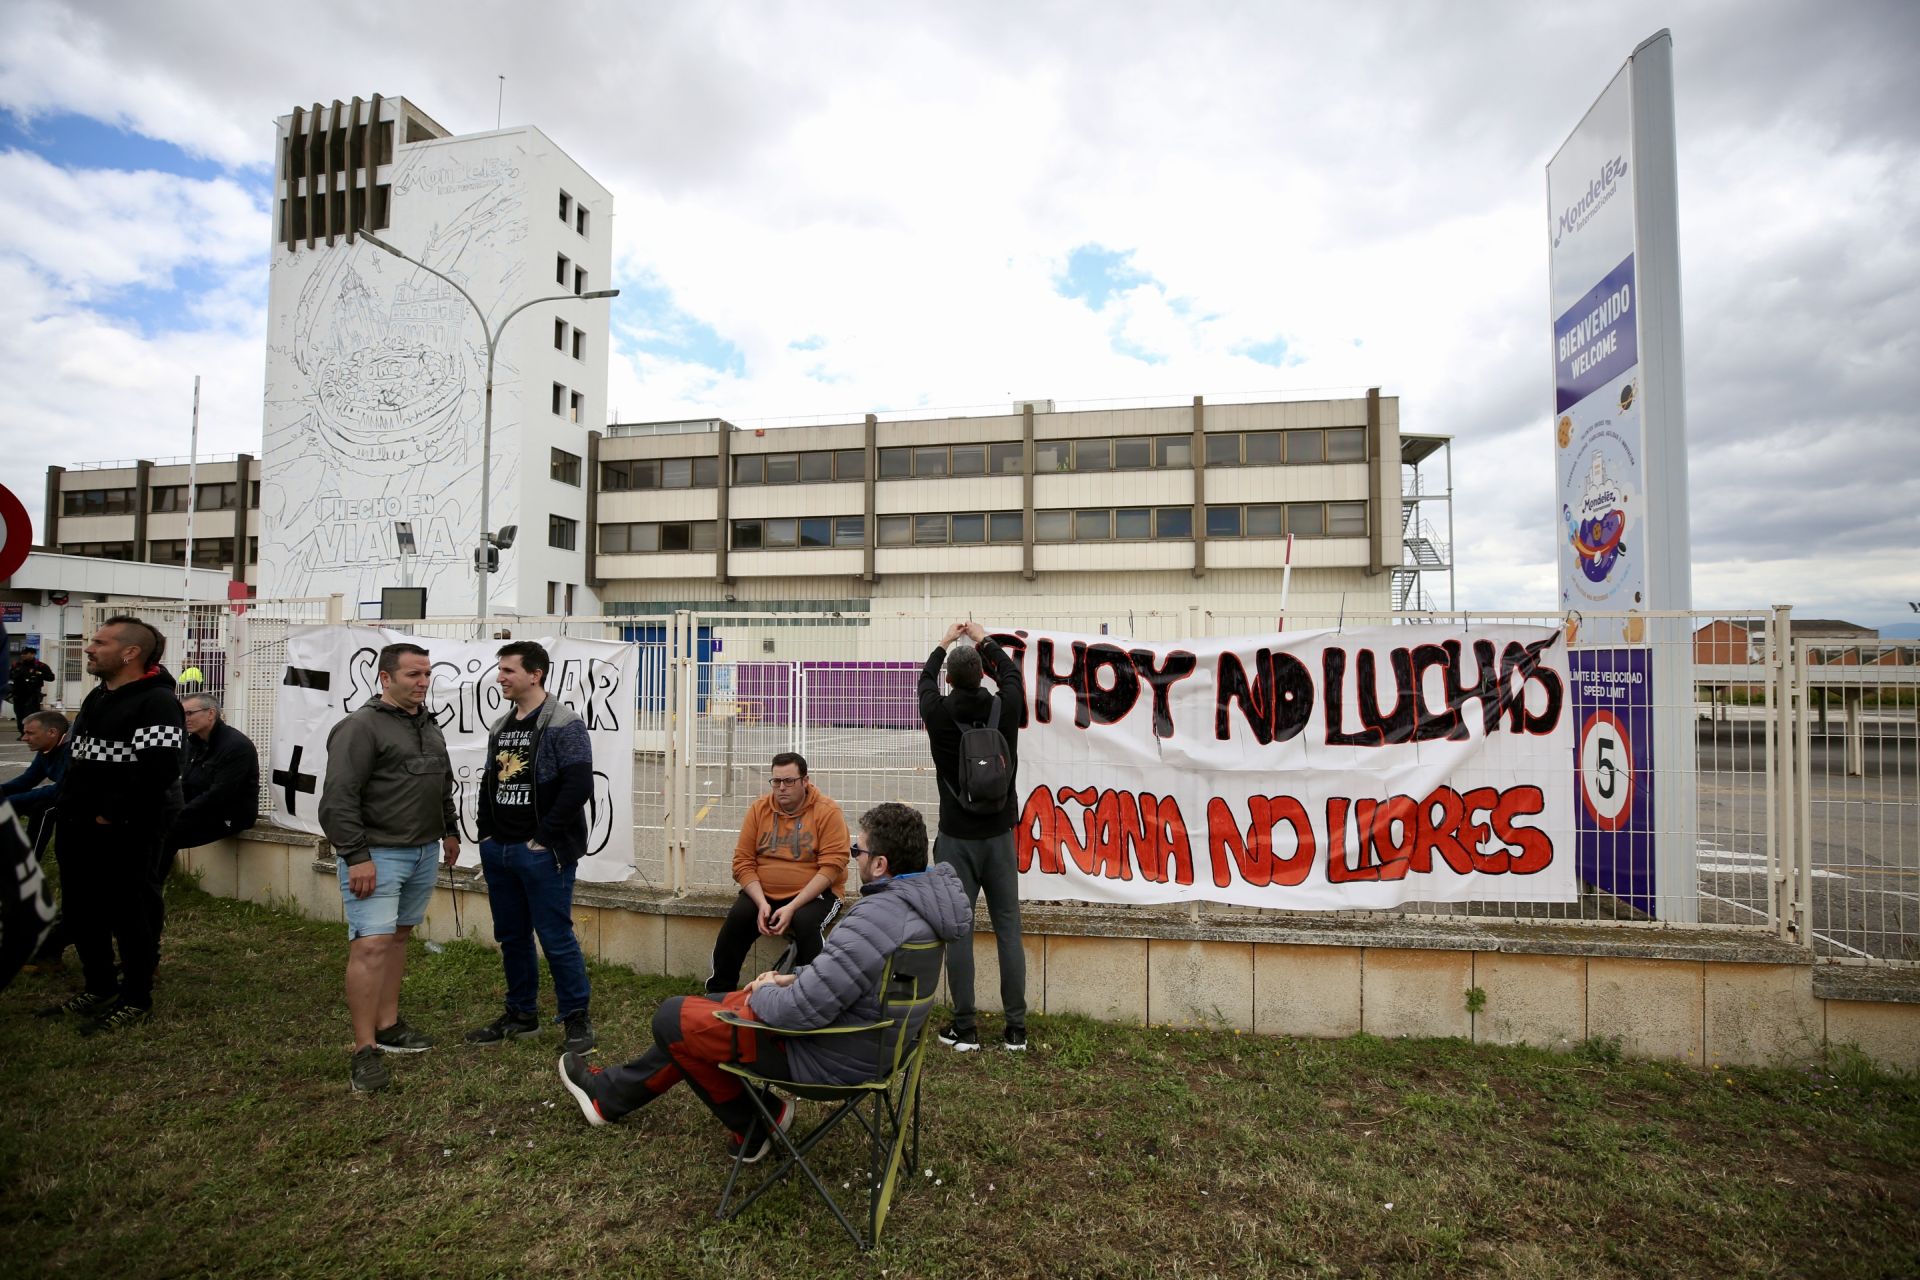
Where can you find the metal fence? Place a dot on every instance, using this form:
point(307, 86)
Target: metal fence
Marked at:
point(1790, 807)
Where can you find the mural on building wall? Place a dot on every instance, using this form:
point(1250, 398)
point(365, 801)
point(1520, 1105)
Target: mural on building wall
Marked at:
point(376, 375)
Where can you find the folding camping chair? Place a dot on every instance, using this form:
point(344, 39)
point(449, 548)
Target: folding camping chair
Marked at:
point(886, 1107)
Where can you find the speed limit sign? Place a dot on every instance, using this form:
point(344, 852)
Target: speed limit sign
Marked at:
point(1606, 770)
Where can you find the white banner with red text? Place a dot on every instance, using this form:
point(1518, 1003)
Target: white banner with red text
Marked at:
point(1318, 771)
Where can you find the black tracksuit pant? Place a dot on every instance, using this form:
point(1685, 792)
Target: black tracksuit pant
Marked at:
point(808, 931)
point(110, 897)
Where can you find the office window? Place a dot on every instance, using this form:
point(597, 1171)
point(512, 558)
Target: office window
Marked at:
point(1093, 455)
point(99, 550)
point(1132, 453)
point(895, 531)
point(849, 531)
point(1306, 520)
point(562, 270)
point(969, 529)
point(816, 466)
point(1133, 523)
point(816, 531)
point(1173, 522)
point(1266, 520)
point(212, 553)
point(1052, 455)
point(676, 473)
point(1173, 451)
point(1006, 526)
point(579, 344)
point(1052, 526)
point(850, 464)
point(1347, 444)
point(566, 207)
point(1006, 459)
point(98, 502)
point(781, 532)
point(1223, 522)
point(1223, 450)
point(746, 535)
point(253, 551)
point(929, 530)
point(559, 399)
point(783, 468)
point(564, 466)
point(561, 532)
point(1262, 449)
point(253, 495)
point(896, 464)
point(968, 460)
point(1092, 526)
point(217, 497)
point(930, 462)
point(643, 537)
point(613, 539)
point(1305, 446)
point(676, 536)
point(706, 473)
point(559, 335)
point(1346, 519)
point(166, 551)
point(750, 468)
point(580, 219)
point(168, 497)
point(576, 406)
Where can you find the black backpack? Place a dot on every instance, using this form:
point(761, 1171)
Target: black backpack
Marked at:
point(986, 772)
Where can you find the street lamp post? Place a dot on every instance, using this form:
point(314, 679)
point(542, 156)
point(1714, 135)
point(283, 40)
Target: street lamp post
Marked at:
point(481, 558)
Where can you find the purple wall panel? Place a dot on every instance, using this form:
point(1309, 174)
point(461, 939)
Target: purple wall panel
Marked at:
point(840, 695)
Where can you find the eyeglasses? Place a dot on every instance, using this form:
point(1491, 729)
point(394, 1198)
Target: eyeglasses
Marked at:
point(787, 782)
point(858, 850)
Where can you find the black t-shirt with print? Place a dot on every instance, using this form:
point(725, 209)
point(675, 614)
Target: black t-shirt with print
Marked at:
point(513, 815)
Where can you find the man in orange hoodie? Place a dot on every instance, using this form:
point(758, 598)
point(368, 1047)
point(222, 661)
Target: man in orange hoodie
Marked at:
point(790, 863)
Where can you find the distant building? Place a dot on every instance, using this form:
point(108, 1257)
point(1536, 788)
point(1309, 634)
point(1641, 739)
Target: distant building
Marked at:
point(138, 510)
point(376, 370)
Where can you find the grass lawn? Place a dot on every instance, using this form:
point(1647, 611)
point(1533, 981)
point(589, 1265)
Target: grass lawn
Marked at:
point(222, 1139)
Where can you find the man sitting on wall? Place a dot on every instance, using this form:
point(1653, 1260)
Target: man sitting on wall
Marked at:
point(790, 863)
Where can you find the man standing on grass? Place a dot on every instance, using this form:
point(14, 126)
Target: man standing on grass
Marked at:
point(790, 863)
point(387, 806)
point(976, 831)
point(27, 683)
point(121, 791)
point(533, 832)
point(900, 902)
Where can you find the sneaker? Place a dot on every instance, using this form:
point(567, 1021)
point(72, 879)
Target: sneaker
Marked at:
point(116, 1018)
point(579, 1033)
point(85, 1003)
point(369, 1070)
point(401, 1038)
point(753, 1150)
point(582, 1082)
point(508, 1026)
point(959, 1041)
point(1014, 1040)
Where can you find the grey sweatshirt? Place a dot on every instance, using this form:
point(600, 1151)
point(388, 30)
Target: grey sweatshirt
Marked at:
point(389, 782)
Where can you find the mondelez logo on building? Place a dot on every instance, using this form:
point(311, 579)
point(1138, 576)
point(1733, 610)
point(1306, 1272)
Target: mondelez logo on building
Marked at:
point(1598, 192)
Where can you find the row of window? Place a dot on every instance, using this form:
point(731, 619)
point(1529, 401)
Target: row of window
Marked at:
point(568, 403)
point(221, 496)
point(975, 528)
point(1123, 453)
point(573, 213)
point(208, 553)
point(566, 271)
point(568, 338)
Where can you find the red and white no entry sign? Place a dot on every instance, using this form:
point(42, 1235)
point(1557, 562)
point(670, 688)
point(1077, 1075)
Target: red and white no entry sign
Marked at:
point(18, 530)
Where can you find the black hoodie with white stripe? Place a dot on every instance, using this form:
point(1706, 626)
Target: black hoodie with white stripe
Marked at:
point(127, 748)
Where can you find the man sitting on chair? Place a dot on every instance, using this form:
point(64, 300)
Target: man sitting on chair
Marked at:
point(901, 901)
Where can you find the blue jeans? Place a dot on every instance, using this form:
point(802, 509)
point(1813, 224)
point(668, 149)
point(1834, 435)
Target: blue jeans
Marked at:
point(532, 894)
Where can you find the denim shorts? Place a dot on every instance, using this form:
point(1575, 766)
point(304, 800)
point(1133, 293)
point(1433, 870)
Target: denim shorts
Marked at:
point(403, 883)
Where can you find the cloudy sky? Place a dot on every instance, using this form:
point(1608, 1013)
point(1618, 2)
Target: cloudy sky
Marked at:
point(836, 209)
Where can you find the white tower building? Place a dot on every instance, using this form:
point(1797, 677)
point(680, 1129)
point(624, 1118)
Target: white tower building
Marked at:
point(376, 369)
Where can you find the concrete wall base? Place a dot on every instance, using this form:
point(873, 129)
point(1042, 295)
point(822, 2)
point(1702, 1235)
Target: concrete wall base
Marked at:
point(1708, 998)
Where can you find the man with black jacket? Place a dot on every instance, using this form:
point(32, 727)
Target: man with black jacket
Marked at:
point(221, 784)
point(978, 845)
point(27, 685)
point(532, 825)
point(120, 794)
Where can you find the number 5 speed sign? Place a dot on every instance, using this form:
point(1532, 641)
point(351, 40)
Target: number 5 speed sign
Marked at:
point(1606, 770)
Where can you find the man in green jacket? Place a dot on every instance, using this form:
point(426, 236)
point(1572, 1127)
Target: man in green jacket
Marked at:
point(387, 806)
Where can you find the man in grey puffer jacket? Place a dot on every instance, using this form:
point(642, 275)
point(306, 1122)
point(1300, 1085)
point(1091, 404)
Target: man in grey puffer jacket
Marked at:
point(901, 902)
